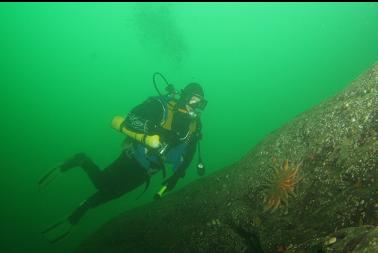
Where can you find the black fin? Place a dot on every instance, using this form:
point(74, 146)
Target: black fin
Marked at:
point(48, 178)
point(48, 229)
point(60, 236)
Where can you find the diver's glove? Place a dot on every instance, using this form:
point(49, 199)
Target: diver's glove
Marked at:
point(169, 184)
point(172, 180)
point(163, 190)
point(153, 129)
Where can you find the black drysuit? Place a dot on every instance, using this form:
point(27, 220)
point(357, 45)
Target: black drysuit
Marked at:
point(126, 173)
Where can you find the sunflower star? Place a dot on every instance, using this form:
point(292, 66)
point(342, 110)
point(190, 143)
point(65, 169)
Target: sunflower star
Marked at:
point(280, 186)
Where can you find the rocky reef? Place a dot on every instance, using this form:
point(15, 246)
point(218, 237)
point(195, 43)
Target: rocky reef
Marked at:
point(310, 186)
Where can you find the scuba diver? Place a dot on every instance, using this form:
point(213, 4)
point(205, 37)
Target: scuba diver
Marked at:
point(161, 130)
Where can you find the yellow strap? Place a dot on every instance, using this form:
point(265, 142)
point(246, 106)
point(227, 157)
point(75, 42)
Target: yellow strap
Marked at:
point(170, 114)
point(168, 121)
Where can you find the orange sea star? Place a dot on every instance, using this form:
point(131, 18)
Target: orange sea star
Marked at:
point(280, 186)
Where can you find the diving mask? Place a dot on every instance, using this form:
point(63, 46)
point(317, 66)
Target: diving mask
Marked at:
point(197, 102)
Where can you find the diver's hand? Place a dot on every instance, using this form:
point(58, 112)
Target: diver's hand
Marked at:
point(153, 141)
point(161, 193)
point(171, 182)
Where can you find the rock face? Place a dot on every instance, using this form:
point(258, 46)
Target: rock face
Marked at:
point(362, 239)
point(311, 186)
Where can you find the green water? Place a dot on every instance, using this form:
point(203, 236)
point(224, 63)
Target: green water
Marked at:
point(66, 69)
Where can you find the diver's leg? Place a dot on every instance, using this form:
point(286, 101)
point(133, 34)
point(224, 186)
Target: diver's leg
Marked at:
point(61, 229)
point(75, 161)
point(83, 161)
point(121, 176)
point(124, 174)
point(108, 187)
point(98, 198)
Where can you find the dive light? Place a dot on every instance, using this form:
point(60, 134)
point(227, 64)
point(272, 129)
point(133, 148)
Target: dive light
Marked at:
point(200, 169)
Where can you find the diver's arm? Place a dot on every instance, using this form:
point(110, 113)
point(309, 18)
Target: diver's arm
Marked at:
point(187, 159)
point(146, 117)
point(171, 182)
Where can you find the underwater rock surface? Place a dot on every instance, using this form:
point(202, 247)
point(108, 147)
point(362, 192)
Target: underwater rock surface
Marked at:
point(311, 186)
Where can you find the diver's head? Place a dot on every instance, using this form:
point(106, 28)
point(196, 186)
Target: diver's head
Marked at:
point(192, 99)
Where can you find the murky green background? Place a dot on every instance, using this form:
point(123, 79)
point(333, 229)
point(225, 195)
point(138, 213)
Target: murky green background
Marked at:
point(67, 68)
